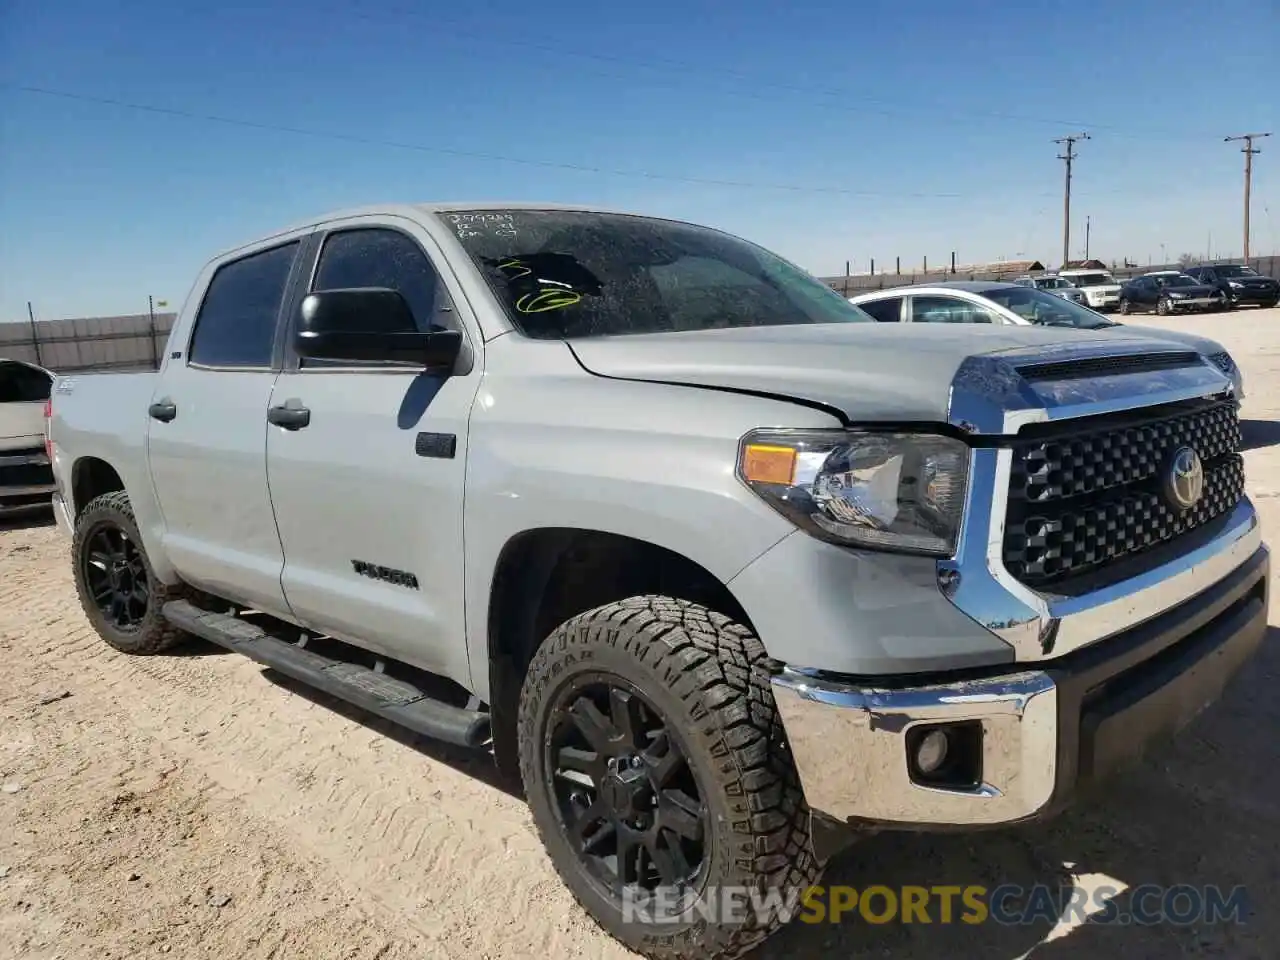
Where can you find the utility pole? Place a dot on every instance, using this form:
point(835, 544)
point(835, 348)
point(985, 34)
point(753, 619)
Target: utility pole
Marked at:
point(1086, 238)
point(1066, 193)
point(1248, 151)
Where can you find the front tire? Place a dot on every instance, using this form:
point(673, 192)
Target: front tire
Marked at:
point(658, 773)
point(1125, 309)
point(1164, 306)
point(117, 588)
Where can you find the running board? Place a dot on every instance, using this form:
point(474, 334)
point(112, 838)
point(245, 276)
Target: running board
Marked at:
point(370, 690)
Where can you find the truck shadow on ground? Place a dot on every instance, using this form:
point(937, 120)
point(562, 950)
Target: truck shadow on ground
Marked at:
point(1202, 811)
point(477, 764)
point(27, 520)
point(1255, 434)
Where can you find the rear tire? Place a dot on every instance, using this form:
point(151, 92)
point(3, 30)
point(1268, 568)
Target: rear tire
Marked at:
point(117, 587)
point(696, 678)
point(1124, 307)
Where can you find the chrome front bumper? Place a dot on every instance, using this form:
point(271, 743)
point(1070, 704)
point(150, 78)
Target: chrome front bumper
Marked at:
point(849, 743)
point(1045, 731)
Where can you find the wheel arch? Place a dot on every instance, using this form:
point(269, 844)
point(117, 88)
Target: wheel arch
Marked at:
point(91, 477)
point(546, 576)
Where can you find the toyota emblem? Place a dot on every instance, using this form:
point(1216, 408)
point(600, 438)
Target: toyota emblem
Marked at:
point(1184, 479)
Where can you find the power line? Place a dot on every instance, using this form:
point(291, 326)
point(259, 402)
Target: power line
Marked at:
point(1069, 156)
point(843, 97)
point(820, 189)
point(887, 107)
point(1249, 152)
point(449, 151)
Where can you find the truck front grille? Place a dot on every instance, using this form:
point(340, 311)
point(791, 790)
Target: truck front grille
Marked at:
point(1085, 493)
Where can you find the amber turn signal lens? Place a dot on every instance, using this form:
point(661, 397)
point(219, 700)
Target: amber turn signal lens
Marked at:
point(762, 463)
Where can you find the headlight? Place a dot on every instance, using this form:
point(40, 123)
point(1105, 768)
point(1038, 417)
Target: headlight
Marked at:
point(886, 491)
point(1235, 284)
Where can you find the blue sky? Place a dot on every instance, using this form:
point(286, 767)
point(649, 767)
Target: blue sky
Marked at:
point(907, 129)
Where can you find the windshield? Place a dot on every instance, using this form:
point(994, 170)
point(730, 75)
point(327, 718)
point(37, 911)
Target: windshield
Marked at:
point(1176, 280)
point(1046, 309)
point(564, 274)
point(1233, 270)
point(1092, 279)
point(1052, 283)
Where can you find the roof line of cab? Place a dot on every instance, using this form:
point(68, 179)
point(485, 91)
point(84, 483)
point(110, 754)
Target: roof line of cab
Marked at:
point(416, 210)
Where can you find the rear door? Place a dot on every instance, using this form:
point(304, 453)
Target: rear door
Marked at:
point(368, 494)
point(207, 435)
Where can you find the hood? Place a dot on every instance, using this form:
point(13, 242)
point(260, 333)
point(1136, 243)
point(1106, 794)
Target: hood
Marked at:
point(1201, 345)
point(865, 372)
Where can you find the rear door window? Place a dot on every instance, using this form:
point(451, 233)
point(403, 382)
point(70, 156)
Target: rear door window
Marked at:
point(937, 309)
point(888, 310)
point(236, 325)
point(22, 384)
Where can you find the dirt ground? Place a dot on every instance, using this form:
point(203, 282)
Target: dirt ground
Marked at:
point(195, 805)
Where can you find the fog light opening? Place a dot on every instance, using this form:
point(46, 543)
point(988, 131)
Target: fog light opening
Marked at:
point(946, 755)
point(932, 752)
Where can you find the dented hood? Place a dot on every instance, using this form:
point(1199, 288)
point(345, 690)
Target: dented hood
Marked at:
point(865, 372)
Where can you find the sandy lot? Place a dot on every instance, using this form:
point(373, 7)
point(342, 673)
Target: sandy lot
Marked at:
point(194, 805)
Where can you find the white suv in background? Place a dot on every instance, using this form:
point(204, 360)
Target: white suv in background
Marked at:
point(1101, 289)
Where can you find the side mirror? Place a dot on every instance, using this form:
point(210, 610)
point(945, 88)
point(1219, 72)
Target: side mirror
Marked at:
point(369, 324)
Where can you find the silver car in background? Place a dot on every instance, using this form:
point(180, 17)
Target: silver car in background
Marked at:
point(1058, 286)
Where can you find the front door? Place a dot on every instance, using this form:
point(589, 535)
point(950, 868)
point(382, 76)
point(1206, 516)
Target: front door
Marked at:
point(207, 434)
point(368, 494)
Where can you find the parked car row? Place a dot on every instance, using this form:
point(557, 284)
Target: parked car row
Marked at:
point(1205, 288)
point(1001, 302)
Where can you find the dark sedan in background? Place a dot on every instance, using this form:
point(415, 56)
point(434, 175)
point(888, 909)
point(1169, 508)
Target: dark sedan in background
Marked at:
point(1169, 291)
point(1238, 283)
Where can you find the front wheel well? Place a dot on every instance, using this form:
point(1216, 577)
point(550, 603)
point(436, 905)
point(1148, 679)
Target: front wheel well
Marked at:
point(545, 577)
point(90, 479)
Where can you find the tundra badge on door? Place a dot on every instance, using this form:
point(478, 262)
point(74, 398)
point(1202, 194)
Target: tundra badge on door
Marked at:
point(400, 578)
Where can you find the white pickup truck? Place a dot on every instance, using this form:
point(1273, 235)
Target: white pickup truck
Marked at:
point(723, 570)
point(26, 477)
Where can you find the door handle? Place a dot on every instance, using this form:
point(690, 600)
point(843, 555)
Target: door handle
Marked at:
point(163, 410)
point(291, 418)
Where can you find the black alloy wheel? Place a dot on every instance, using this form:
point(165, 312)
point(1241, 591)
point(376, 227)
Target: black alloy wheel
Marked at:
point(115, 574)
point(626, 795)
point(117, 586)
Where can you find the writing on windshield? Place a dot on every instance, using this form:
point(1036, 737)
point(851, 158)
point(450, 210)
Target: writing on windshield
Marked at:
point(567, 273)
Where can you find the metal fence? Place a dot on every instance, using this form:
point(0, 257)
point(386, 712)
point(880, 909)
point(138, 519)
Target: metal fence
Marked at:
point(864, 283)
point(134, 342)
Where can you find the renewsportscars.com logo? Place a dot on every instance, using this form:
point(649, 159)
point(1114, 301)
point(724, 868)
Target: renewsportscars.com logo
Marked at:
point(1008, 905)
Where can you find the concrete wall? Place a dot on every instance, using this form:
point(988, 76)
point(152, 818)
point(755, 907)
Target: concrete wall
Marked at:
point(88, 343)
